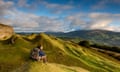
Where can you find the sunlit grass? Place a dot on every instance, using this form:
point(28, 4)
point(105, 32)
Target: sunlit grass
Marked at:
point(61, 55)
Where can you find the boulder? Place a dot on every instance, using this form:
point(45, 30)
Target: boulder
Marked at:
point(6, 32)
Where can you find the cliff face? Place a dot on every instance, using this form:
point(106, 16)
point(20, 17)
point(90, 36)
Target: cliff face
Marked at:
point(5, 32)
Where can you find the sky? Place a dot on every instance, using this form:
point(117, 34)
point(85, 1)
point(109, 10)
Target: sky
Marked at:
point(60, 15)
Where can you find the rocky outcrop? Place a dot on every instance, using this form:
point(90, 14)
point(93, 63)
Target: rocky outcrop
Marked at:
point(6, 32)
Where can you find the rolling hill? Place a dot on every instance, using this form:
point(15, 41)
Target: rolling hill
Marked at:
point(63, 56)
point(96, 36)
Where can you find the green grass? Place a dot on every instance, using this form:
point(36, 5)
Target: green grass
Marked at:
point(63, 56)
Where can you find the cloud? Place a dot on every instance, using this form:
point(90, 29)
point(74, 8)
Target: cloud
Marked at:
point(57, 8)
point(94, 21)
point(5, 7)
point(22, 21)
point(103, 4)
point(29, 22)
point(112, 28)
point(100, 5)
point(34, 5)
point(54, 8)
point(22, 3)
point(63, 7)
point(99, 24)
point(16, 18)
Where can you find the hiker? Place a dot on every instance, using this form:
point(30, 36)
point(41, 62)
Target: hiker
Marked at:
point(42, 55)
point(38, 54)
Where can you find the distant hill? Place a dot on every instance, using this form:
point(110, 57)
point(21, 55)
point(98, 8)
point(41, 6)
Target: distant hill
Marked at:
point(97, 36)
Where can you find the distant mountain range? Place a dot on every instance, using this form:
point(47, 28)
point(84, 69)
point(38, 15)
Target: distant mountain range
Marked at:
point(97, 36)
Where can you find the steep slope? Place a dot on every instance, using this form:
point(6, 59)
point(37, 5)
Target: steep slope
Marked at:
point(63, 56)
point(84, 57)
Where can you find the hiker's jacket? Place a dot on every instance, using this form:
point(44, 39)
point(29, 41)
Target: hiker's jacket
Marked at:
point(41, 53)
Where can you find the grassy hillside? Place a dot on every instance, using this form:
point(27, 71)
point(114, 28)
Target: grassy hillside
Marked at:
point(63, 56)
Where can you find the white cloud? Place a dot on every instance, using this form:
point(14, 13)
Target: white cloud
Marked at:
point(94, 21)
point(22, 21)
point(99, 24)
point(4, 7)
point(112, 28)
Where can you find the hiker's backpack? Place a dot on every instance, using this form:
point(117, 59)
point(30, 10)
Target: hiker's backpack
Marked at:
point(35, 53)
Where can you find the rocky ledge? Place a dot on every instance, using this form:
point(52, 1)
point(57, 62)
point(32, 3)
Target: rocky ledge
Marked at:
point(6, 32)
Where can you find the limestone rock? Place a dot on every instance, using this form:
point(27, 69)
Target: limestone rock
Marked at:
point(6, 32)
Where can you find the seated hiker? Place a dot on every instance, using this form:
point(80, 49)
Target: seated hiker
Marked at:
point(42, 55)
point(38, 54)
point(35, 54)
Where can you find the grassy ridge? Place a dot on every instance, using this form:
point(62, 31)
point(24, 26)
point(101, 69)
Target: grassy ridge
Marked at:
point(61, 56)
point(90, 59)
